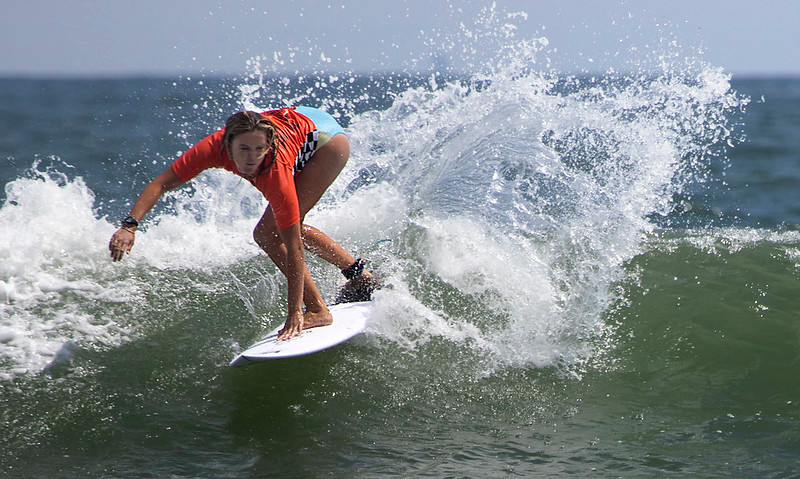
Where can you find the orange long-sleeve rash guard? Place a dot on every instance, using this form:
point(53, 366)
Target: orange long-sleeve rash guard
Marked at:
point(277, 183)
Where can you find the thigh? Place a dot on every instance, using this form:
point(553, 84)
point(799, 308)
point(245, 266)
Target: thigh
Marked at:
point(319, 173)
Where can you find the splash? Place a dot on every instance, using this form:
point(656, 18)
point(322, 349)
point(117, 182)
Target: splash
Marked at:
point(527, 192)
point(514, 196)
point(48, 270)
point(59, 291)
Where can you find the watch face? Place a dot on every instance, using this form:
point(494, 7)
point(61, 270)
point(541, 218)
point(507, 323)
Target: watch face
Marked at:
point(130, 220)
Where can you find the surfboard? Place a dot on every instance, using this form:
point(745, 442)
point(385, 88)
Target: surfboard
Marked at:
point(349, 320)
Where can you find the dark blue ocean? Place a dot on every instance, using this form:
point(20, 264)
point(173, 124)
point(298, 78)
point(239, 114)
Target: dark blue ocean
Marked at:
point(586, 276)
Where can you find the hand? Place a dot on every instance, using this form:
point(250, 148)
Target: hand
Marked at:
point(293, 326)
point(121, 243)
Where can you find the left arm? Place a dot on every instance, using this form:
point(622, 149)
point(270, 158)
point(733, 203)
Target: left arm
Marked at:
point(295, 274)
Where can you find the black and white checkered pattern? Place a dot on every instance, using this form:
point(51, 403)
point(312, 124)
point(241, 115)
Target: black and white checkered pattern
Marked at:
point(308, 149)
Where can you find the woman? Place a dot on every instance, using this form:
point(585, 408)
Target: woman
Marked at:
point(292, 155)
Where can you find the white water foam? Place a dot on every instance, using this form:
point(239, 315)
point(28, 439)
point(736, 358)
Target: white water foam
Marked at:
point(49, 253)
point(55, 268)
point(533, 192)
point(523, 190)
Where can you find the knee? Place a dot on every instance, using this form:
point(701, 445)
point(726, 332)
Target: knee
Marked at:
point(267, 238)
point(307, 231)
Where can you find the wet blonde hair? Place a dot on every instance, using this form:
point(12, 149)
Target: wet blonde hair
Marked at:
point(245, 122)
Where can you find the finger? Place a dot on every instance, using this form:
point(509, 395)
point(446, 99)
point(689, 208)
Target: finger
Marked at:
point(283, 334)
point(117, 253)
point(290, 332)
point(298, 328)
point(286, 337)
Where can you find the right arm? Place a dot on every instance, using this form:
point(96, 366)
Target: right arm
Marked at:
point(122, 241)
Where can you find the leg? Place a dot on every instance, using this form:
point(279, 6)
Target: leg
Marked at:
point(267, 237)
point(326, 248)
point(311, 183)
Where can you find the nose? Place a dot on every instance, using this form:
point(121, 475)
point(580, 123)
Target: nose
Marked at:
point(252, 156)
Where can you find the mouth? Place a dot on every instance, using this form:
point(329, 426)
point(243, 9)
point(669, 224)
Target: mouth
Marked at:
point(246, 169)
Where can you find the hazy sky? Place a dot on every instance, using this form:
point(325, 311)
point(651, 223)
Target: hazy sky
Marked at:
point(164, 37)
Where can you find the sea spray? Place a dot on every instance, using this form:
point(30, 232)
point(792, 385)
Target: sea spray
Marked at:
point(62, 293)
point(49, 269)
point(511, 191)
point(534, 190)
point(524, 189)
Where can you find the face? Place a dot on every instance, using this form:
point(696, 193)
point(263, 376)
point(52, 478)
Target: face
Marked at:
point(248, 150)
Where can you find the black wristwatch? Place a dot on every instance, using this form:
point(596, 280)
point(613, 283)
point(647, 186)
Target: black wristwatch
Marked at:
point(130, 221)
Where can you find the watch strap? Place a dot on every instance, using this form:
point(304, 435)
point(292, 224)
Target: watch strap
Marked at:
point(130, 221)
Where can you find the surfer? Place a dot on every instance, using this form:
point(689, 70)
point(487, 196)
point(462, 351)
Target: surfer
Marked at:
point(292, 155)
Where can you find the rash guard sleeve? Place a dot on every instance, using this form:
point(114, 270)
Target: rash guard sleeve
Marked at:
point(200, 157)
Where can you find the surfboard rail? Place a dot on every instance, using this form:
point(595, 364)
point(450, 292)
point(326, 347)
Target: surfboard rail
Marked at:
point(349, 320)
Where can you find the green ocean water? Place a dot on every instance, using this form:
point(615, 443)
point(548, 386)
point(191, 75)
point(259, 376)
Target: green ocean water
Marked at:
point(612, 292)
point(683, 385)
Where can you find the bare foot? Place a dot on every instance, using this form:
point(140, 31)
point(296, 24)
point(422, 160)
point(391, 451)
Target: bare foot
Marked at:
point(314, 320)
point(310, 320)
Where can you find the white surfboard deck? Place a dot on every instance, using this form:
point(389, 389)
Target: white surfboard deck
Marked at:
point(349, 319)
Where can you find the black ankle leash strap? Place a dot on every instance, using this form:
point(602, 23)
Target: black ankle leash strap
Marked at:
point(354, 270)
